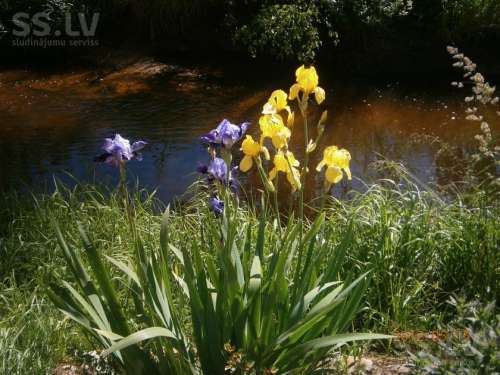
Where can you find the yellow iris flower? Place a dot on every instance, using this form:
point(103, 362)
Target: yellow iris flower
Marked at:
point(251, 149)
point(272, 127)
point(336, 160)
point(307, 82)
point(286, 163)
point(281, 137)
point(277, 103)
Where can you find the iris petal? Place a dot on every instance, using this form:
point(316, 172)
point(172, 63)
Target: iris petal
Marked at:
point(226, 134)
point(246, 163)
point(268, 109)
point(216, 206)
point(278, 100)
point(294, 91)
point(250, 147)
point(333, 175)
point(347, 171)
point(320, 166)
point(319, 94)
point(273, 173)
point(139, 145)
point(218, 169)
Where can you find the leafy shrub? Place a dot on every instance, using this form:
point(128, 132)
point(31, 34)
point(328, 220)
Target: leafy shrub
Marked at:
point(294, 30)
point(471, 16)
point(472, 343)
point(286, 31)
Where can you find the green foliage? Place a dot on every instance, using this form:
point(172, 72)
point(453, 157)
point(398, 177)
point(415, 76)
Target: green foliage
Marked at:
point(298, 30)
point(33, 338)
point(293, 30)
point(471, 16)
point(275, 297)
point(372, 12)
point(28, 323)
point(471, 346)
point(286, 31)
point(420, 250)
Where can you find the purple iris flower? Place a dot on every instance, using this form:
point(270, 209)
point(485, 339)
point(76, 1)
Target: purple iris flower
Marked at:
point(118, 149)
point(217, 172)
point(226, 134)
point(218, 169)
point(216, 206)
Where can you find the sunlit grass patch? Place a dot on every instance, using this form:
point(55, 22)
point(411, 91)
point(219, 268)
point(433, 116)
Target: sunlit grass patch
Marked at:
point(419, 248)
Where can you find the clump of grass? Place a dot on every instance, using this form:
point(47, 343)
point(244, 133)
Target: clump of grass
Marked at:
point(420, 249)
point(28, 246)
point(33, 338)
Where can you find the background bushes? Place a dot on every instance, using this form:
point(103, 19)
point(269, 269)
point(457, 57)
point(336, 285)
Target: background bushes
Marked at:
point(353, 31)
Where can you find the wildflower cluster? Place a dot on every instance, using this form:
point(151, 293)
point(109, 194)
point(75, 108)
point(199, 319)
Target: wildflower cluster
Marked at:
point(275, 135)
point(482, 91)
point(270, 154)
point(219, 142)
point(483, 94)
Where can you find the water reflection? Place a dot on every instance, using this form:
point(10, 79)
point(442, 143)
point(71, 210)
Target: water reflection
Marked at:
point(51, 123)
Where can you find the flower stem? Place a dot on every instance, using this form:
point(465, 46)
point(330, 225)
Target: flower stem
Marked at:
point(276, 205)
point(124, 193)
point(264, 179)
point(303, 111)
point(228, 159)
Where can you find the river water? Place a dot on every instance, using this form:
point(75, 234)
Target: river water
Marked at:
point(54, 123)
